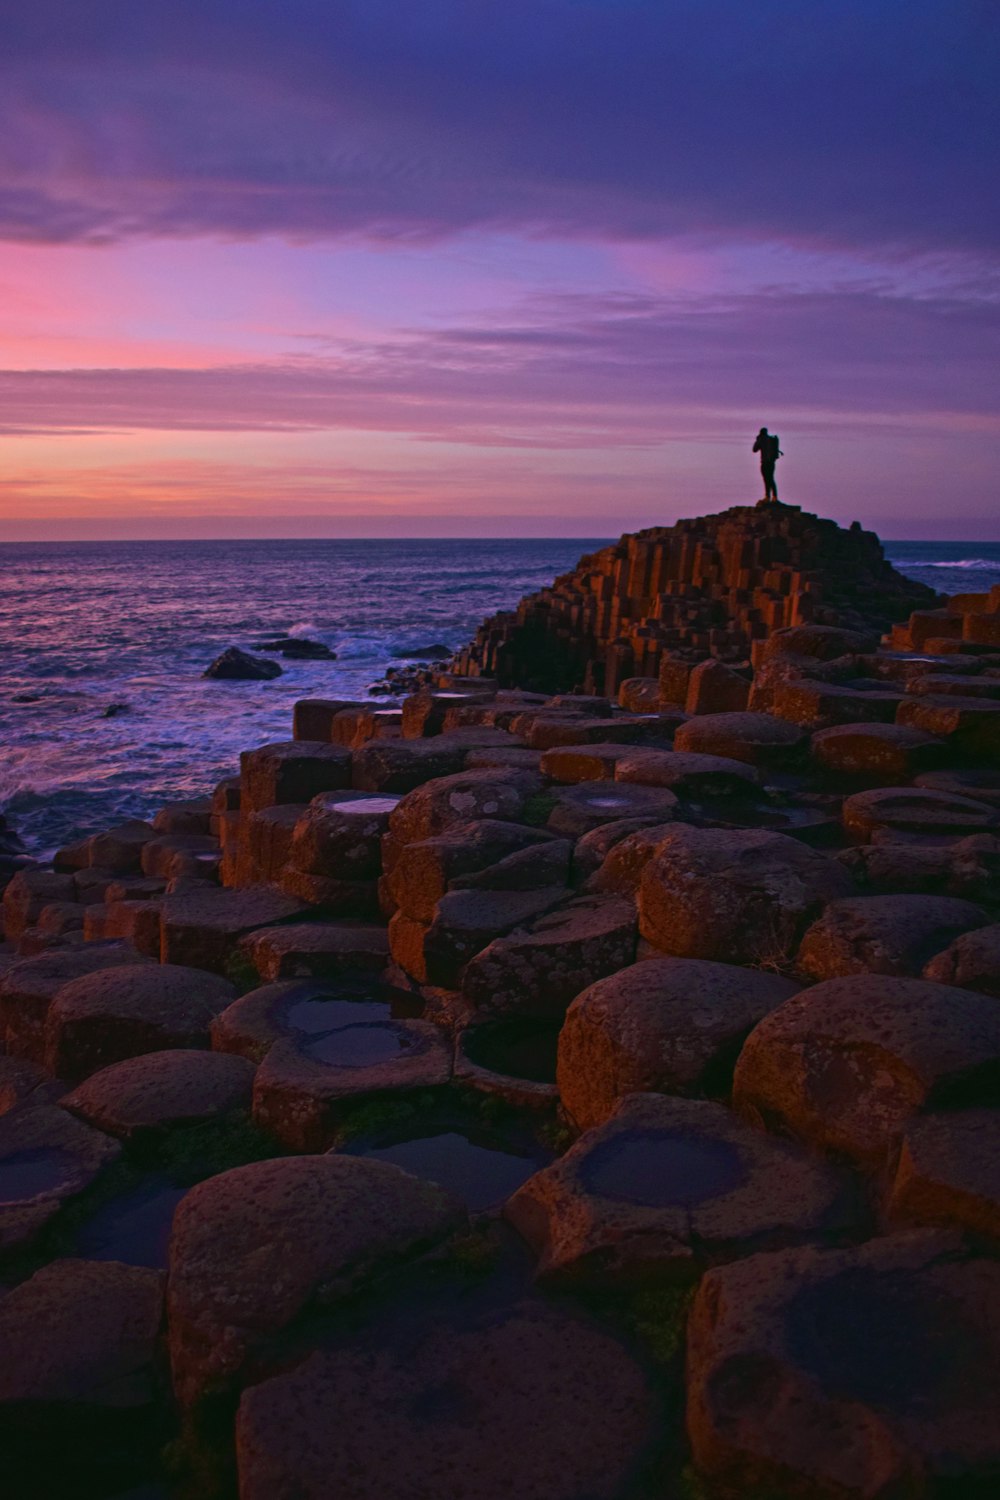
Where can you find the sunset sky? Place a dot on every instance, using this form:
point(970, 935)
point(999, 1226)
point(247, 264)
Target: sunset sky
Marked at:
point(495, 267)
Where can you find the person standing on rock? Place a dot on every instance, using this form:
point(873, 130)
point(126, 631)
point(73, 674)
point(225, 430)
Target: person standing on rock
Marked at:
point(766, 444)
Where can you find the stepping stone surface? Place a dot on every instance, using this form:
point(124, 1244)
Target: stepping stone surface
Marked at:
point(889, 753)
point(971, 961)
point(30, 985)
point(162, 1089)
point(252, 1249)
point(670, 1186)
point(758, 739)
point(741, 896)
point(46, 1158)
point(538, 970)
point(300, 950)
point(117, 1013)
point(845, 1064)
point(863, 1372)
point(304, 1083)
point(914, 810)
point(670, 1025)
point(82, 1333)
point(949, 1172)
point(203, 927)
point(289, 1007)
point(883, 934)
point(531, 1403)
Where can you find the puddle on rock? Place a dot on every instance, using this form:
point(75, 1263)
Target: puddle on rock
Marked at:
point(134, 1228)
point(483, 1176)
point(38, 1173)
point(316, 1017)
point(663, 1169)
point(516, 1048)
point(360, 1046)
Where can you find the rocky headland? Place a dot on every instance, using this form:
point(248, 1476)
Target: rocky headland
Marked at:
point(579, 1078)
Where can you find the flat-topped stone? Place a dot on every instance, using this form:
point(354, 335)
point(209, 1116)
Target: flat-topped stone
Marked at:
point(583, 762)
point(423, 870)
point(26, 896)
point(741, 896)
point(620, 871)
point(80, 1340)
point(949, 1172)
point(400, 765)
point(970, 725)
point(203, 927)
point(302, 950)
point(291, 771)
point(538, 969)
point(578, 809)
point(161, 1090)
point(22, 1081)
point(310, 1007)
point(884, 934)
point(339, 835)
point(918, 810)
point(438, 1418)
point(46, 1158)
point(305, 1082)
point(254, 1248)
point(757, 739)
point(668, 1187)
point(846, 1064)
point(664, 1025)
point(443, 803)
point(867, 1371)
point(104, 1017)
point(31, 984)
point(981, 785)
point(687, 773)
point(972, 961)
point(464, 923)
point(886, 753)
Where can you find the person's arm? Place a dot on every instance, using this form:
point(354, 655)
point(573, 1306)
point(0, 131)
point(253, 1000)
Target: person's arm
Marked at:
point(756, 446)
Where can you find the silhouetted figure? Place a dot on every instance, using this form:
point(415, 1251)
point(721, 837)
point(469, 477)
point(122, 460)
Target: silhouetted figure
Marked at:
point(766, 444)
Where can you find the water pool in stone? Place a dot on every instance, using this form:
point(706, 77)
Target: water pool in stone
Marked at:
point(317, 1017)
point(482, 1176)
point(26, 1175)
point(359, 1046)
point(367, 807)
point(134, 1228)
point(661, 1169)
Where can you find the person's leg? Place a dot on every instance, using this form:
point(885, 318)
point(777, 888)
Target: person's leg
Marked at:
point(767, 473)
point(774, 487)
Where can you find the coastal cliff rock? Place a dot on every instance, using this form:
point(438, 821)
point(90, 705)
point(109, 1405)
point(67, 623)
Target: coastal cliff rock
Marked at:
point(709, 587)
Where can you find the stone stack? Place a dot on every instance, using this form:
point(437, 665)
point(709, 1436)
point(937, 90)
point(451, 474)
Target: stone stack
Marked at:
point(704, 588)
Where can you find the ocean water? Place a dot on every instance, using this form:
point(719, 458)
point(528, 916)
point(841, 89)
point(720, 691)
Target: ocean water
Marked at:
point(87, 627)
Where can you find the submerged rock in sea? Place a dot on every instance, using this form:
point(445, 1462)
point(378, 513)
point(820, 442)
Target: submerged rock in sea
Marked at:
point(235, 665)
point(297, 648)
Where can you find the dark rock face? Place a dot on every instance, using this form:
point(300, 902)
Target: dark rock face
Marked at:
point(712, 586)
point(235, 665)
point(859, 1372)
point(364, 1423)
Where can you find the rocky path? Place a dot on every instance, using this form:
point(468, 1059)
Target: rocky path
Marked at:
point(508, 1094)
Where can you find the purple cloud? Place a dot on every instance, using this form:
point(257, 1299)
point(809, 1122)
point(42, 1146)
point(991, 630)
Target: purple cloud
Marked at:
point(841, 125)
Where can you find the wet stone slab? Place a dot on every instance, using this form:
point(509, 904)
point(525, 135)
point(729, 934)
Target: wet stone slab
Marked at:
point(668, 1186)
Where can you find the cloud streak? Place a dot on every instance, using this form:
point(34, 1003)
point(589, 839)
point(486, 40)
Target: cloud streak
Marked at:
point(842, 125)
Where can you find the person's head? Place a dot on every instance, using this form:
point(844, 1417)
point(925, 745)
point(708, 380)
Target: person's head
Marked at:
point(762, 432)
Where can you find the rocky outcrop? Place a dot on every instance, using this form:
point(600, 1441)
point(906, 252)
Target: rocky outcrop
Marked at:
point(711, 587)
